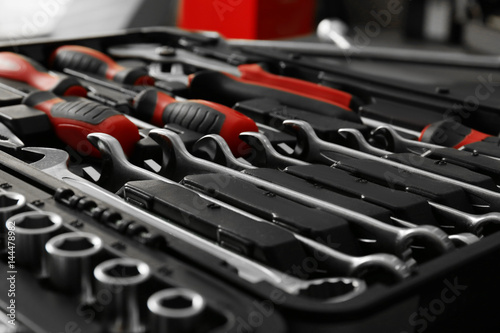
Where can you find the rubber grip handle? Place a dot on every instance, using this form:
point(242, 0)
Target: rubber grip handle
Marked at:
point(73, 121)
point(450, 133)
point(84, 59)
point(228, 90)
point(254, 73)
point(196, 115)
point(19, 68)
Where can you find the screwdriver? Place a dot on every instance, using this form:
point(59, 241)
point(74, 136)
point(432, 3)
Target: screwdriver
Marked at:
point(450, 133)
point(19, 68)
point(88, 60)
point(74, 120)
point(245, 80)
point(201, 116)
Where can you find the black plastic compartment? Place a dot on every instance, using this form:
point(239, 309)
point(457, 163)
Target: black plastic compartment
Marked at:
point(473, 270)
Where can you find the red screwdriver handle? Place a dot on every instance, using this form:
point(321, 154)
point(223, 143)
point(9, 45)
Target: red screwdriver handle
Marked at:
point(19, 68)
point(73, 121)
point(256, 74)
point(196, 115)
point(84, 59)
point(228, 90)
point(450, 133)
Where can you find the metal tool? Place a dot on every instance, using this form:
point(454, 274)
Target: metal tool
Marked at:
point(245, 81)
point(33, 230)
point(334, 30)
point(10, 204)
point(178, 162)
point(214, 148)
point(55, 163)
point(121, 278)
point(175, 310)
point(311, 148)
point(477, 224)
point(165, 54)
point(417, 56)
point(346, 265)
point(460, 240)
point(263, 153)
point(9, 139)
point(69, 263)
point(474, 162)
point(157, 107)
point(72, 127)
point(398, 144)
point(395, 143)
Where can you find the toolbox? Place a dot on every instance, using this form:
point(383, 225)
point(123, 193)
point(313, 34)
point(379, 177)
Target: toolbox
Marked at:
point(161, 240)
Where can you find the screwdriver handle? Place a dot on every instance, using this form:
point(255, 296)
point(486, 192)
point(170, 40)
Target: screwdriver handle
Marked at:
point(450, 133)
point(73, 121)
point(19, 68)
point(84, 59)
point(256, 74)
point(228, 90)
point(200, 116)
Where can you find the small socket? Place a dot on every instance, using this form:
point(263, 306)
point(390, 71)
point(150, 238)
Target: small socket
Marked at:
point(175, 310)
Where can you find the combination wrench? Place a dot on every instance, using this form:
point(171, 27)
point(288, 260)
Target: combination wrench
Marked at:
point(115, 159)
point(178, 162)
point(54, 163)
point(311, 148)
point(215, 147)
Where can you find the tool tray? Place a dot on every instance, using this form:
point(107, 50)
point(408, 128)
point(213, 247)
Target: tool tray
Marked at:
point(454, 292)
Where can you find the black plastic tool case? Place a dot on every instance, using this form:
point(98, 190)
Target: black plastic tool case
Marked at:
point(457, 292)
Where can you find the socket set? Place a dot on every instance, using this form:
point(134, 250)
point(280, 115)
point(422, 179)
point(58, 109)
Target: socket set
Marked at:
point(157, 180)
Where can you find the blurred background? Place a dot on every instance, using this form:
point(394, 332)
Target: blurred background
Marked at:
point(465, 24)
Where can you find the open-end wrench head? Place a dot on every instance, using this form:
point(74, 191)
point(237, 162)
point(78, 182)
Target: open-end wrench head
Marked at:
point(398, 144)
point(52, 158)
point(9, 139)
point(111, 151)
point(172, 150)
point(214, 148)
point(357, 141)
point(306, 137)
point(264, 154)
point(116, 169)
point(389, 136)
point(177, 161)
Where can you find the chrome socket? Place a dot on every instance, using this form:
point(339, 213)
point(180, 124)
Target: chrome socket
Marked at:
point(33, 230)
point(118, 279)
point(69, 263)
point(11, 203)
point(175, 310)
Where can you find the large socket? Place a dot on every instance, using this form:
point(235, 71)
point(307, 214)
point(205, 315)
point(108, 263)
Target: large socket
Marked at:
point(70, 263)
point(121, 278)
point(10, 204)
point(33, 230)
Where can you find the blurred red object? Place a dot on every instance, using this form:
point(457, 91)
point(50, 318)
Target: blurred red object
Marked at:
point(249, 19)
